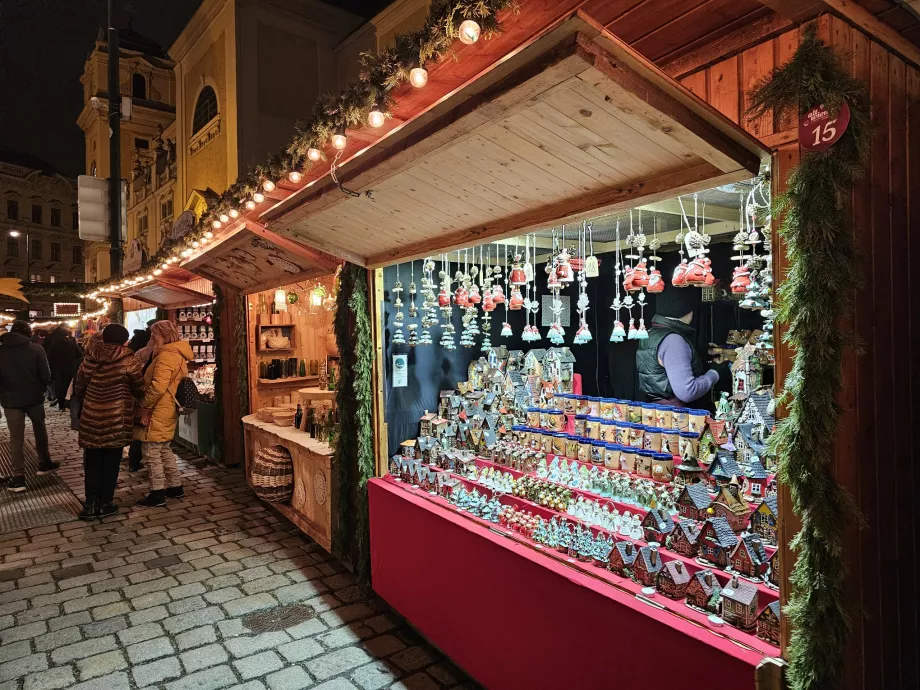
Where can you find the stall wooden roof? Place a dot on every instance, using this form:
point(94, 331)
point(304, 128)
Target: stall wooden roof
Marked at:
point(252, 259)
point(571, 122)
point(167, 295)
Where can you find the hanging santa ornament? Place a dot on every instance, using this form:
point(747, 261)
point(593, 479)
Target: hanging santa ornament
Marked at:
point(635, 276)
point(556, 333)
point(564, 272)
point(699, 271)
point(583, 334)
point(518, 277)
point(679, 278)
point(618, 334)
point(461, 294)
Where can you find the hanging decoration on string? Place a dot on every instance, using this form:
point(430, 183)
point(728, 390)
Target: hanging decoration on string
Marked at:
point(444, 295)
point(531, 304)
point(741, 276)
point(413, 309)
point(618, 334)
point(559, 271)
point(488, 300)
point(506, 327)
point(429, 302)
point(583, 334)
point(655, 281)
point(399, 338)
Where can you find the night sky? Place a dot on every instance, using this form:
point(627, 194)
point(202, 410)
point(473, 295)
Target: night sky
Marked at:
point(43, 46)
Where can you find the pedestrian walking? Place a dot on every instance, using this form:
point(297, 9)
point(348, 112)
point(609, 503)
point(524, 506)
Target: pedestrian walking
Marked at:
point(64, 355)
point(143, 349)
point(109, 382)
point(24, 376)
point(158, 413)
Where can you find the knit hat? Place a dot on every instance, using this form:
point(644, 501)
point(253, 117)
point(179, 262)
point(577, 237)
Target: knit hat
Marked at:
point(115, 334)
point(22, 328)
point(677, 302)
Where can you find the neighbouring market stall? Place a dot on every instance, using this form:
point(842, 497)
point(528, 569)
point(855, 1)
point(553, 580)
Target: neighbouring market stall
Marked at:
point(441, 167)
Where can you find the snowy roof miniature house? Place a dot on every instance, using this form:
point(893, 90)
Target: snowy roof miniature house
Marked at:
point(747, 372)
point(497, 357)
point(739, 603)
point(657, 525)
point(759, 409)
point(693, 501)
point(724, 467)
point(684, 538)
point(533, 361)
point(673, 579)
point(730, 505)
point(515, 360)
point(750, 440)
point(647, 566)
point(749, 557)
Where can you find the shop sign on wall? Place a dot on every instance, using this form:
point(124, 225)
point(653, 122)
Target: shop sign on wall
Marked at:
point(400, 371)
point(818, 130)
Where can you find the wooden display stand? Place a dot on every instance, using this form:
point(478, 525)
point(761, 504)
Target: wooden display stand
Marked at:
point(310, 508)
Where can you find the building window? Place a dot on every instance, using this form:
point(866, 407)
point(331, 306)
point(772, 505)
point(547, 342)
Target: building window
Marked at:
point(138, 86)
point(55, 251)
point(76, 279)
point(36, 249)
point(37, 213)
point(12, 247)
point(142, 223)
point(78, 254)
point(166, 209)
point(52, 279)
point(35, 278)
point(141, 143)
point(12, 209)
point(55, 217)
point(76, 220)
point(205, 109)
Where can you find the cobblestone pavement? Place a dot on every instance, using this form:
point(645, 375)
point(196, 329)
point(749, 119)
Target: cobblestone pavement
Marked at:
point(156, 598)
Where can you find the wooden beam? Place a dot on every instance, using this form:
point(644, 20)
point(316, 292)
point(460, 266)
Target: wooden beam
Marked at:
point(712, 211)
point(288, 278)
point(324, 244)
point(315, 256)
point(666, 186)
point(802, 10)
point(708, 51)
point(381, 440)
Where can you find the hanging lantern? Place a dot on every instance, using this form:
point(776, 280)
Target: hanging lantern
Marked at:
point(376, 117)
point(233, 213)
point(268, 186)
point(469, 32)
point(294, 176)
point(314, 154)
point(339, 140)
point(418, 77)
point(258, 197)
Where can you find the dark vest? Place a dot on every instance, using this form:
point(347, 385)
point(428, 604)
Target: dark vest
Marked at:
point(653, 379)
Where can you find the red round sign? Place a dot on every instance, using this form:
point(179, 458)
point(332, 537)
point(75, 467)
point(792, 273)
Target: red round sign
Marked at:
point(818, 130)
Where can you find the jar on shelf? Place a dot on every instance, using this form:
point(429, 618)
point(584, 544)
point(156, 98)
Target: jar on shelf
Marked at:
point(584, 450)
point(652, 439)
point(182, 316)
point(696, 421)
point(662, 467)
point(622, 433)
point(559, 443)
point(637, 436)
point(644, 463)
point(663, 416)
point(593, 428)
point(580, 424)
point(634, 413)
point(680, 419)
point(608, 430)
point(598, 448)
point(533, 417)
point(556, 419)
point(620, 410)
point(581, 405)
point(594, 407)
point(606, 408)
point(670, 441)
point(627, 459)
point(612, 456)
point(689, 444)
point(546, 442)
point(571, 446)
point(568, 402)
point(649, 414)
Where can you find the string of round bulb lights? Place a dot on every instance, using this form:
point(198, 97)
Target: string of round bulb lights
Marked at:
point(366, 102)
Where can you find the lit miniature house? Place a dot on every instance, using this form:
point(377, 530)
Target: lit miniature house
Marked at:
point(426, 424)
point(739, 603)
point(673, 580)
point(657, 525)
point(559, 368)
point(730, 504)
point(750, 442)
point(764, 520)
point(768, 623)
point(693, 502)
point(723, 468)
point(749, 557)
point(755, 479)
point(717, 541)
point(533, 362)
point(623, 557)
point(647, 566)
point(685, 538)
point(758, 409)
point(703, 591)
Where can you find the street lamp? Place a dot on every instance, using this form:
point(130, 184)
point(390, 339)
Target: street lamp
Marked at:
point(15, 234)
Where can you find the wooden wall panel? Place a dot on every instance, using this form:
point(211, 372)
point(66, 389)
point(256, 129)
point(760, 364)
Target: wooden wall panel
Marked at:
point(873, 454)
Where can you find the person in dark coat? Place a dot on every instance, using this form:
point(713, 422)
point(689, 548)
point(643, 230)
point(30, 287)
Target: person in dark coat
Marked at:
point(140, 343)
point(24, 376)
point(64, 355)
point(110, 381)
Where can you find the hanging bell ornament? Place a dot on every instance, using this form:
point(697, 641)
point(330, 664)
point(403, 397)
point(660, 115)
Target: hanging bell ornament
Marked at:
point(631, 335)
point(641, 333)
point(506, 330)
point(655, 282)
point(618, 334)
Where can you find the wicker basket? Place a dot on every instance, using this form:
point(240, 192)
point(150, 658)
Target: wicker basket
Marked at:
point(266, 414)
point(272, 474)
point(285, 418)
point(278, 342)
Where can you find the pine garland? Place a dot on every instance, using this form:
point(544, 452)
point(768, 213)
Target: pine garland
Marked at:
point(380, 73)
point(811, 301)
point(353, 462)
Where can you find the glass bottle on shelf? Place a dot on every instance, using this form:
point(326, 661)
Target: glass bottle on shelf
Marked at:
point(331, 379)
point(298, 417)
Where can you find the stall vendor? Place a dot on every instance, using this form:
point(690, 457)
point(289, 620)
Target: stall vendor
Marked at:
point(671, 371)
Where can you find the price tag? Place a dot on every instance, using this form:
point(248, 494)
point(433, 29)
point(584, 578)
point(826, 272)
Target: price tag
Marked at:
point(819, 131)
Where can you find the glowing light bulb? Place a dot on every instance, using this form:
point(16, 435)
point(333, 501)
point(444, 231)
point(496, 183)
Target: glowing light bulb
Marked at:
point(209, 234)
point(375, 118)
point(157, 271)
point(314, 154)
point(469, 32)
point(186, 252)
point(258, 197)
point(216, 225)
point(195, 244)
point(295, 176)
point(339, 140)
point(203, 240)
point(418, 77)
point(250, 204)
point(268, 186)
point(224, 218)
point(234, 213)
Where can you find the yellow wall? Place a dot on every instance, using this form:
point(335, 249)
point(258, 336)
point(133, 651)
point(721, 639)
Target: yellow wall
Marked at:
point(208, 167)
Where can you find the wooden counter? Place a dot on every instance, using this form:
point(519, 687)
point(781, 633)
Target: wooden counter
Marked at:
point(310, 508)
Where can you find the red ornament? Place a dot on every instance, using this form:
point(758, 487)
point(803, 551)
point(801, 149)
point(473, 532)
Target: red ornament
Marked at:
point(819, 130)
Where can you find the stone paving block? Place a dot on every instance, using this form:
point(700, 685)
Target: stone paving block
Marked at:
point(265, 584)
point(226, 568)
point(58, 638)
point(113, 681)
point(255, 602)
point(375, 676)
point(157, 671)
point(291, 678)
point(146, 600)
point(346, 614)
point(17, 650)
point(150, 650)
point(381, 623)
point(49, 680)
point(105, 627)
point(184, 591)
point(191, 575)
point(14, 606)
point(186, 605)
point(258, 665)
point(203, 657)
point(307, 628)
point(347, 635)
point(117, 609)
point(196, 637)
point(140, 633)
point(33, 615)
point(108, 585)
point(419, 681)
point(92, 601)
point(81, 650)
point(193, 619)
point(214, 678)
point(33, 663)
point(412, 658)
point(250, 644)
point(23, 632)
point(335, 684)
point(337, 662)
point(300, 591)
point(101, 664)
point(158, 585)
point(154, 613)
point(223, 595)
point(300, 650)
point(383, 646)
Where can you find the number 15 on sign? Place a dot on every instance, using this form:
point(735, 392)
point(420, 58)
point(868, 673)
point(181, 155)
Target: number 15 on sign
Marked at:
point(819, 131)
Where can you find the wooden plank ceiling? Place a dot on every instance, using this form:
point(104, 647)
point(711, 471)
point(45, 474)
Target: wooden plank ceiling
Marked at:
point(252, 259)
point(575, 123)
point(167, 295)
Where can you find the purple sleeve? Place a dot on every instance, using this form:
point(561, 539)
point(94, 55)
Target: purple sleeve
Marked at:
point(674, 354)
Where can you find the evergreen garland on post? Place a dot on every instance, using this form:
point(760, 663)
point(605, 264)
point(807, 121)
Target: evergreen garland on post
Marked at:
point(354, 454)
point(819, 245)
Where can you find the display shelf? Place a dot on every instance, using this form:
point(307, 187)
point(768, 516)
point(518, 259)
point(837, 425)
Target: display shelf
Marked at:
point(290, 434)
point(285, 380)
point(316, 393)
point(454, 576)
point(269, 351)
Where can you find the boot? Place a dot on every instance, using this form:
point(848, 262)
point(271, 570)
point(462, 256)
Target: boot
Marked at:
point(106, 509)
point(89, 509)
point(155, 499)
point(175, 492)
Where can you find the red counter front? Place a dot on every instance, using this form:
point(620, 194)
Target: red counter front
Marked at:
point(515, 618)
